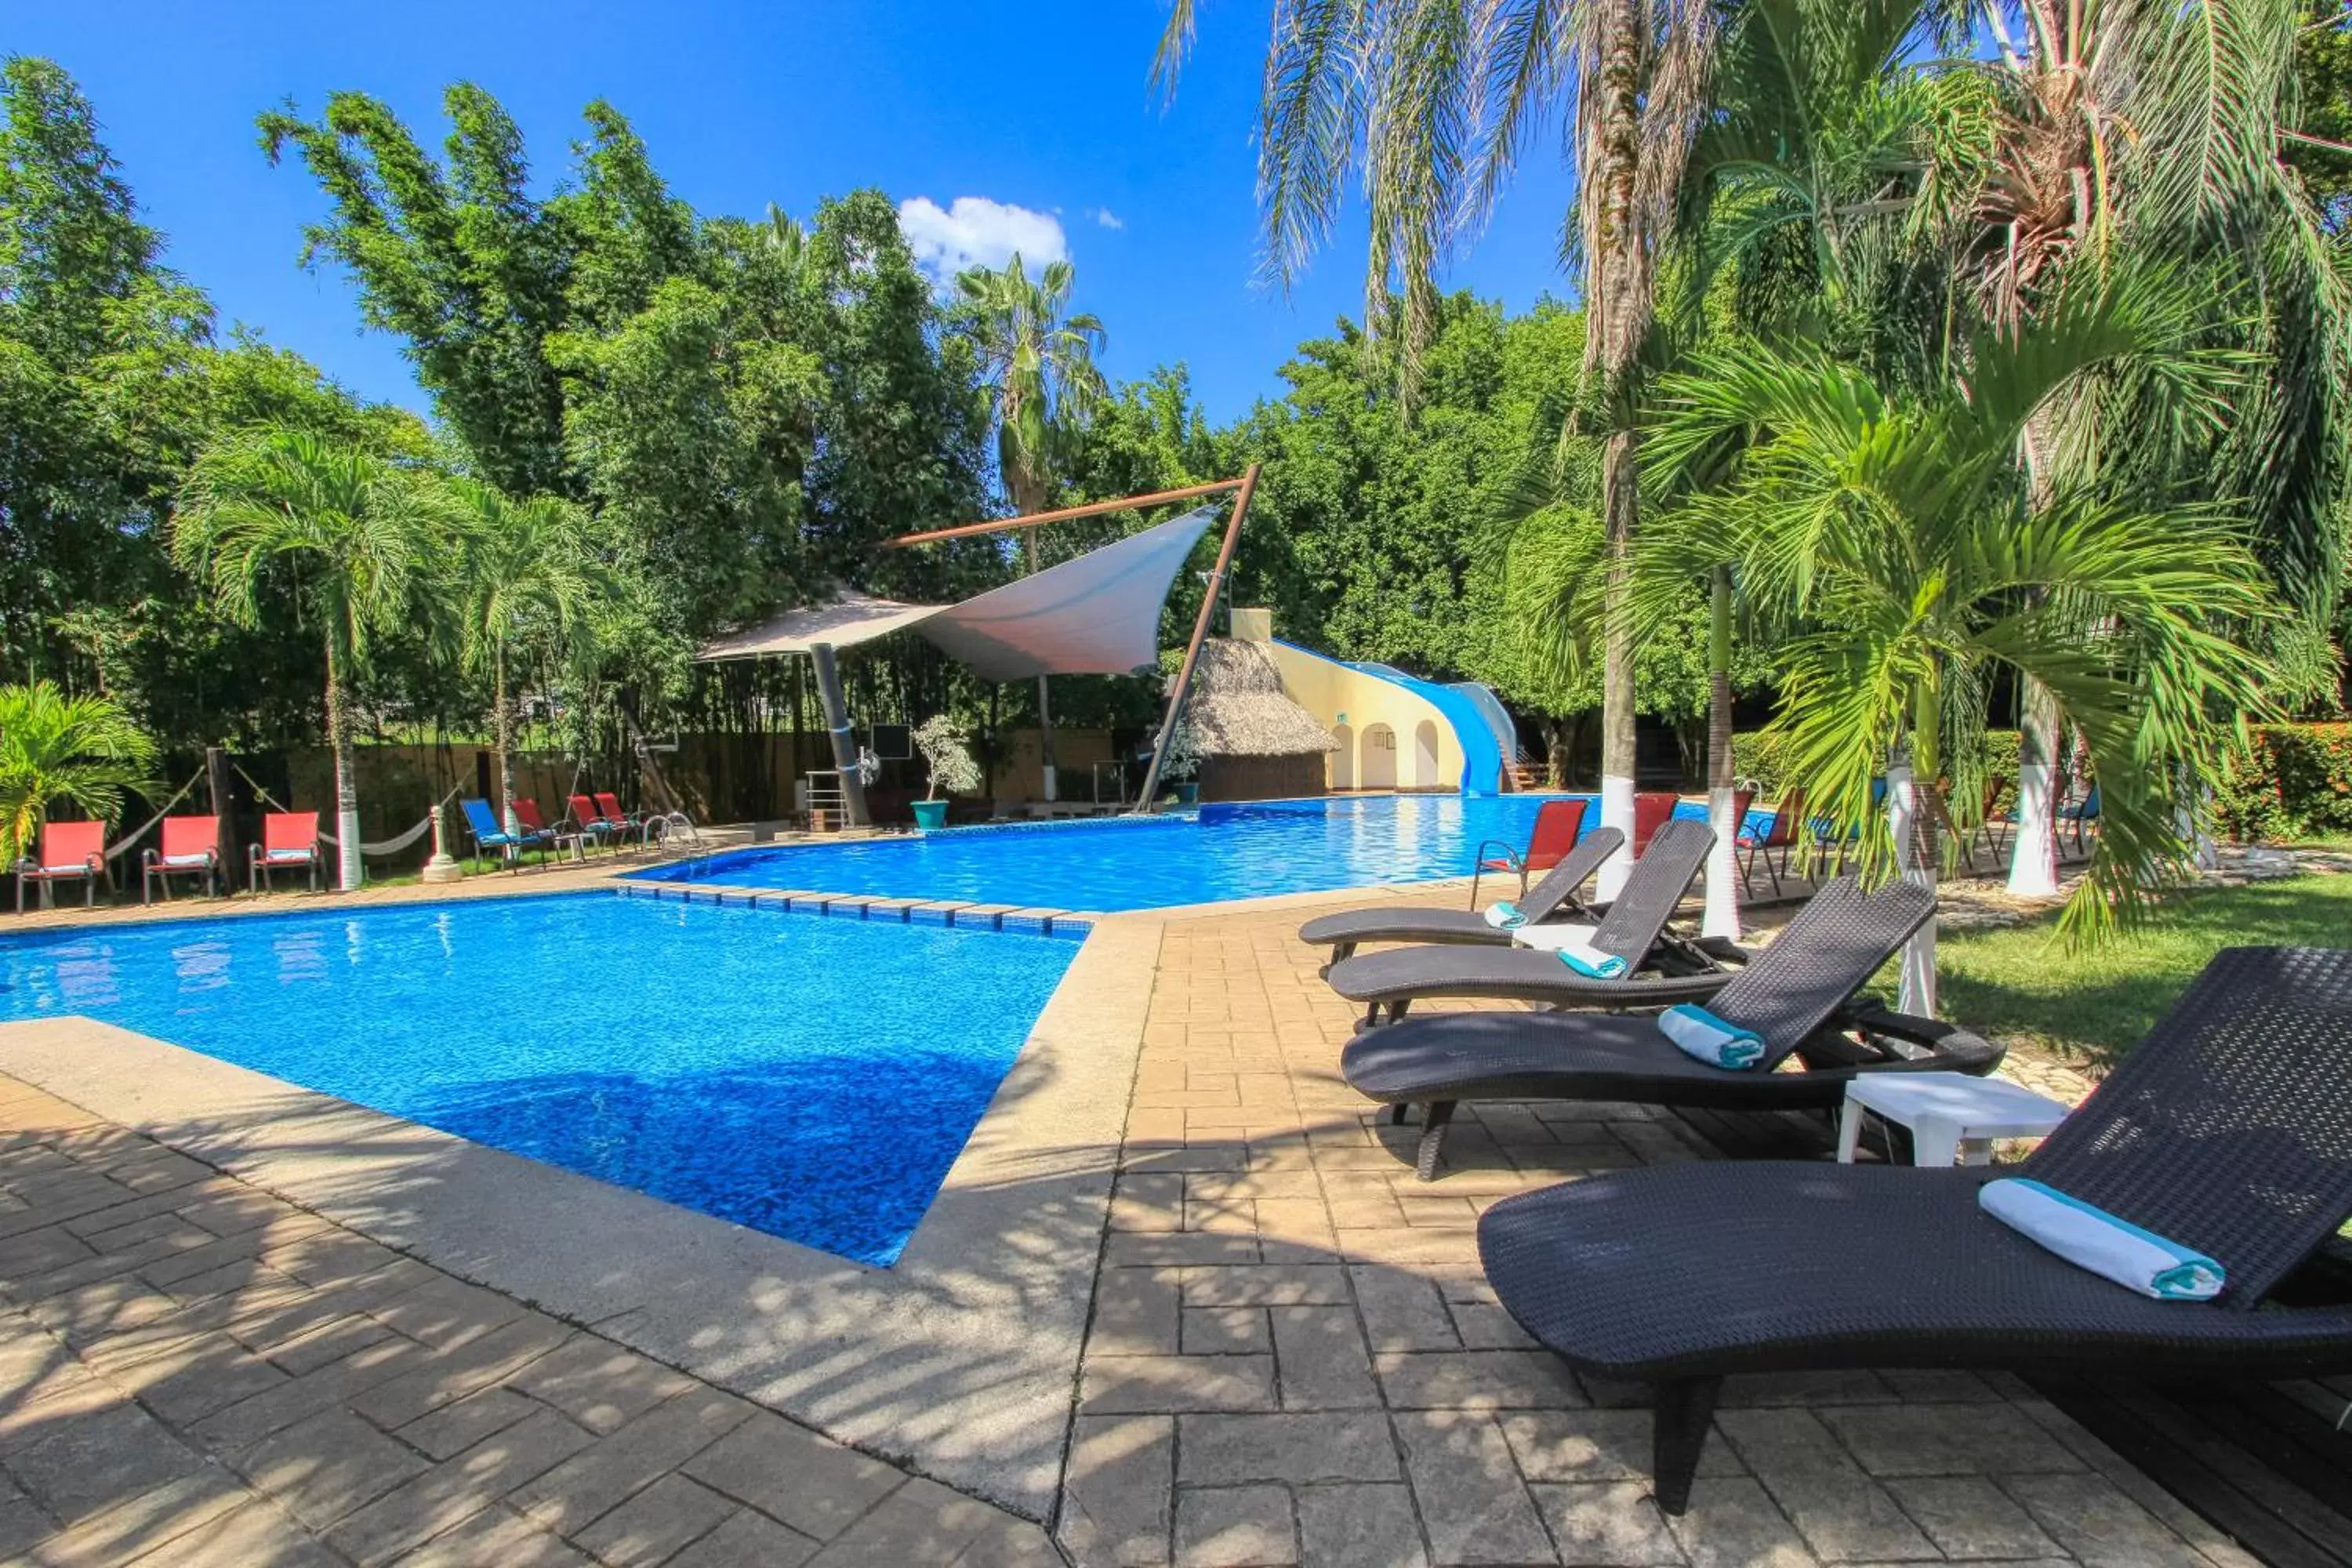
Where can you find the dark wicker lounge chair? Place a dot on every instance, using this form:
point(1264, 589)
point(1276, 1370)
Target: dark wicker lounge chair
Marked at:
point(1797, 994)
point(2229, 1130)
point(1634, 930)
point(1552, 898)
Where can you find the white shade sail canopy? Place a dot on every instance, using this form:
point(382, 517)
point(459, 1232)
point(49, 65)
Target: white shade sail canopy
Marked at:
point(850, 619)
point(1097, 614)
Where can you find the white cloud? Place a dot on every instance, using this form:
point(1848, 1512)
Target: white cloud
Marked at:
point(1109, 219)
point(974, 231)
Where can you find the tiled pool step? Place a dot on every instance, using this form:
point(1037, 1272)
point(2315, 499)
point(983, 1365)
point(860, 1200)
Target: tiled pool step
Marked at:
point(1067, 923)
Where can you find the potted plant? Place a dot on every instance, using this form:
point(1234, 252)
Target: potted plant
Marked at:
point(1182, 765)
point(943, 743)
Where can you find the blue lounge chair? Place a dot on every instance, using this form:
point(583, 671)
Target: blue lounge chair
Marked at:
point(2080, 814)
point(488, 835)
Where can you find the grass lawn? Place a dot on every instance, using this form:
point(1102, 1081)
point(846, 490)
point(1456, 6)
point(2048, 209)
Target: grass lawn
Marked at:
point(2022, 984)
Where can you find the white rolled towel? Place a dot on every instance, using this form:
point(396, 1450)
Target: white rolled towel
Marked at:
point(1504, 915)
point(2090, 1237)
point(1592, 962)
point(1715, 1041)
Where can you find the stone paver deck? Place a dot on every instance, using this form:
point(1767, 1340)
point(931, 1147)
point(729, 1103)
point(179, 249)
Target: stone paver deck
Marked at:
point(1291, 1358)
point(194, 1373)
point(1294, 1358)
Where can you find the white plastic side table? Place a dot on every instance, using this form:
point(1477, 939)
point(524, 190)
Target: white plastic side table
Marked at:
point(1953, 1116)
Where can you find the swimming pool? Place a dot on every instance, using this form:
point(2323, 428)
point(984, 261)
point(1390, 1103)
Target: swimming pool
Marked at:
point(1146, 863)
point(810, 1077)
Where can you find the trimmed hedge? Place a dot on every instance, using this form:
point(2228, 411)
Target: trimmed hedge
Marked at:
point(1766, 759)
point(2294, 782)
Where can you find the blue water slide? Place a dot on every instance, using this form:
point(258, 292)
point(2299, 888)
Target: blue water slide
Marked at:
point(1482, 766)
point(1498, 719)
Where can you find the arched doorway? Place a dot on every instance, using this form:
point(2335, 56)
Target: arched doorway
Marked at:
point(1343, 760)
point(1424, 755)
point(1379, 768)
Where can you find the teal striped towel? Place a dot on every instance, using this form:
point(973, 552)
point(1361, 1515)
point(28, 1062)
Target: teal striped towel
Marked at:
point(1504, 915)
point(1591, 961)
point(1702, 1034)
point(2091, 1238)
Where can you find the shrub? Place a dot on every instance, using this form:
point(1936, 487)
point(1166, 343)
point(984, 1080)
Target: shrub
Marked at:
point(2292, 781)
point(1769, 760)
point(1765, 757)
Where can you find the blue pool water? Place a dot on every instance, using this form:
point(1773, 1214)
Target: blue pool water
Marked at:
point(811, 1078)
point(1228, 852)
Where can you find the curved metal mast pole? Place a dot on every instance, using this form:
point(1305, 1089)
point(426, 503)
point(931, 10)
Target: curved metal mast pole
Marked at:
point(1183, 686)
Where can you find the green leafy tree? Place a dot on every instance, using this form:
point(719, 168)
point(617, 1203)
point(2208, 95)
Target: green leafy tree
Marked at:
point(111, 378)
point(2319, 148)
point(747, 405)
point(356, 534)
point(82, 751)
point(527, 581)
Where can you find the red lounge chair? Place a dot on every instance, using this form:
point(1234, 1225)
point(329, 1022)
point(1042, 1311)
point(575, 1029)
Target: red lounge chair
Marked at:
point(561, 835)
point(1780, 836)
point(288, 839)
point(190, 849)
point(70, 851)
point(590, 823)
point(1652, 812)
point(1558, 824)
point(609, 805)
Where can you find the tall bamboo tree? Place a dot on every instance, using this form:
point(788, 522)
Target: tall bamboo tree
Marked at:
point(1038, 363)
point(354, 532)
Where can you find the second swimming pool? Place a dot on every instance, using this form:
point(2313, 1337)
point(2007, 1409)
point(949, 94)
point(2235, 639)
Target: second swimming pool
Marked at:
point(1145, 863)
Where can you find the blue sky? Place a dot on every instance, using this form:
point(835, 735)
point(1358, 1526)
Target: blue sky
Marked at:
point(1041, 106)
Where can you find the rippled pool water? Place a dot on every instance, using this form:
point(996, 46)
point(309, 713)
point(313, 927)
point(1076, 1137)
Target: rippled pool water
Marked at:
point(811, 1078)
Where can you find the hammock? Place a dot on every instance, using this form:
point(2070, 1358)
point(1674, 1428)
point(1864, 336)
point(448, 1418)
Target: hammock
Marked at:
point(123, 847)
point(378, 846)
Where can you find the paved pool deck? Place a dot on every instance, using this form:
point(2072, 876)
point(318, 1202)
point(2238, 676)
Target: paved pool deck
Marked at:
point(1182, 1302)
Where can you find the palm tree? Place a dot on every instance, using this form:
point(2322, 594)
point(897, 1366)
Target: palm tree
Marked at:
point(2160, 132)
point(1894, 529)
point(1824, 180)
point(525, 574)
point(84, 751)
point(352, 533)
point(1435, 99)
point(1039, 365)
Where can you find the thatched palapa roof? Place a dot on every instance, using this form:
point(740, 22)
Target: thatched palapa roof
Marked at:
point(1238, 707)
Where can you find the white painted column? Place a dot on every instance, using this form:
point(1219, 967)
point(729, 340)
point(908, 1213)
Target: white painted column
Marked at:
point(1617, 811)
point(1916, 994)
point(350, 868)
point(443, 867)
point(2190, 815)
point(1722, 917)
point(2033, 853)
